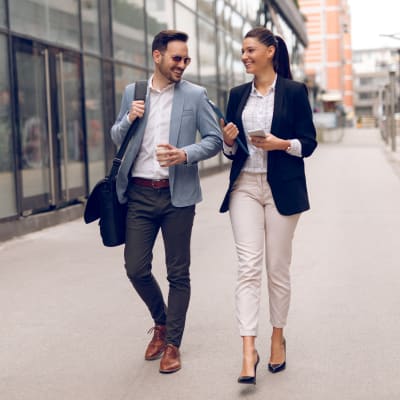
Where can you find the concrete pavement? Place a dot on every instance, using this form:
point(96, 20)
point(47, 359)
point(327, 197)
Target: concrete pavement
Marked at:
point(71, 327)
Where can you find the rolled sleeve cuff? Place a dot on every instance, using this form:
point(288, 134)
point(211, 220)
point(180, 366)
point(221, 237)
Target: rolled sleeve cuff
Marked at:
point(229, 150)
point(295, 148)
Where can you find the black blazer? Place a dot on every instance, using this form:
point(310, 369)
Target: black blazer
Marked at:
point(292, 119)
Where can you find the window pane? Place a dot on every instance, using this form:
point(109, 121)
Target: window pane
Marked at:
point(246, 28)
point(94, 120)
point(237, 26)
point(227, 18)
point(33, 128)
point(227, 77)
point(190, 3)
point(2, 13)
point(206, 8)
point(128, 31)
point(53, 20)
point(238, 68)
point(7, 191)
point(123, 77)
point(90, 25)
point(159, 17)
point(207, 62)
point(219, 9)
point(186, 22)
point(223, 61)
point(69, 91)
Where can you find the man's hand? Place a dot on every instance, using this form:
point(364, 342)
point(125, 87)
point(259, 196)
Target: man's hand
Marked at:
point(168, 155)
point(136, 110)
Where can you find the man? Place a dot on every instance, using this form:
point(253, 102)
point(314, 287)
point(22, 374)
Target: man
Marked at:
point(162, 187)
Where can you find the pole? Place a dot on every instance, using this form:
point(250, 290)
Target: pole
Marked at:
point(392, 86)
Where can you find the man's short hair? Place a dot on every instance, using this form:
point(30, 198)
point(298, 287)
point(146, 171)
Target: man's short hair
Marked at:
point(161, 40)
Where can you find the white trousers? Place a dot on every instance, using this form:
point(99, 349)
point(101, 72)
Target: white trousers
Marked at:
point(257, 224)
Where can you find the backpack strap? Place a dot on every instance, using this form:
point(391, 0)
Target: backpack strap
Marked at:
point(140, 94)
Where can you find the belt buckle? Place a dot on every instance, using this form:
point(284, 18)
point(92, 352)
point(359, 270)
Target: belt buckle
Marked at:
point(155, 183)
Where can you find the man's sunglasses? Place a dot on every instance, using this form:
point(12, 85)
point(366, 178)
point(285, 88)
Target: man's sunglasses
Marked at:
point(178, 59)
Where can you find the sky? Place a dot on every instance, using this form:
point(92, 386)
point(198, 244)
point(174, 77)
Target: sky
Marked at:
point(370, 19)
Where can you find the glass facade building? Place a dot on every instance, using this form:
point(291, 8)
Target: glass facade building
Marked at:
point(63, 68)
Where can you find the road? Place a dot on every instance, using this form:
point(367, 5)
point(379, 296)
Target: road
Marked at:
point(71, 327)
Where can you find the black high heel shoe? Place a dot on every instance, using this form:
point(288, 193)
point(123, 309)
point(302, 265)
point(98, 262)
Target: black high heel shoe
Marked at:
point(250, 379)
point(274, 368)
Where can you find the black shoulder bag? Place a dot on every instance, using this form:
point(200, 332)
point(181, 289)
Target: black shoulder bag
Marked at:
point(102, 202)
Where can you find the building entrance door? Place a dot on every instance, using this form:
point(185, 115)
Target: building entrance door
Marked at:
point(50, 126)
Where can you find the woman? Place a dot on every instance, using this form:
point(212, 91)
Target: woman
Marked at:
point(267, 187)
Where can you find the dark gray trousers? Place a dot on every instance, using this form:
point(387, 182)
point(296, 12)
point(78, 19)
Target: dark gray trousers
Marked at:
point(150, 210)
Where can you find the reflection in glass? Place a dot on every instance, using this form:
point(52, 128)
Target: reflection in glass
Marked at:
point(32, 123)
point(53, 20)
point(186, 22)
point(70, 125)
point(128, 31)
point(94, 120)
point(7, 191)
point(90, 25)
point(124, 76)
point(207, 50)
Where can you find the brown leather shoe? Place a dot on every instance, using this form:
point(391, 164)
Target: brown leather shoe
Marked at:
point(171, 360)
point(157, 345)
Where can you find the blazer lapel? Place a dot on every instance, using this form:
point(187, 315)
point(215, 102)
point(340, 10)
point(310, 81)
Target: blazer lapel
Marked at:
point(176, 114)
point(243, 99)
point(278, 102)
point(242, 102)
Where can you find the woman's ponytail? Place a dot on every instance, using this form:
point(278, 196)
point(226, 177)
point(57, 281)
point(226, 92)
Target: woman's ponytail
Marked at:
point(281, 59)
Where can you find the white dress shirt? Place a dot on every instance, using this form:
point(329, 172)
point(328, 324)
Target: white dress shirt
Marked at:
point(156, 132)
point(257, 114)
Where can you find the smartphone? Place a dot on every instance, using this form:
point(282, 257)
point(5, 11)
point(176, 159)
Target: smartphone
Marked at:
point(257, 132)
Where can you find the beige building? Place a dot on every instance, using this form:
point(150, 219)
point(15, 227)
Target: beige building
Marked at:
point(328, 57)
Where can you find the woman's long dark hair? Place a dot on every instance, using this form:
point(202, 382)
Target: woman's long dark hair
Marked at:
point(280, 61)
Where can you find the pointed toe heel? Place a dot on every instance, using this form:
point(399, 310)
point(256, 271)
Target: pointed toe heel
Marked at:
point(274, 368)
point(250, 380)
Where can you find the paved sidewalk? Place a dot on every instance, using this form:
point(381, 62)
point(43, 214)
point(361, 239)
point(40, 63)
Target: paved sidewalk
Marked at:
point(71, 327)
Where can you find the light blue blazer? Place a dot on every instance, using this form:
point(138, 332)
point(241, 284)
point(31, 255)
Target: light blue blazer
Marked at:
point(190, 113)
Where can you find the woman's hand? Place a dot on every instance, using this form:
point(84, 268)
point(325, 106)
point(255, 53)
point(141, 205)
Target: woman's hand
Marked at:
point(270, 142)
point(229, 131)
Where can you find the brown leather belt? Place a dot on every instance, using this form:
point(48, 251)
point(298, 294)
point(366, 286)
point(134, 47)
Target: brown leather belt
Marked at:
point(151, 183)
